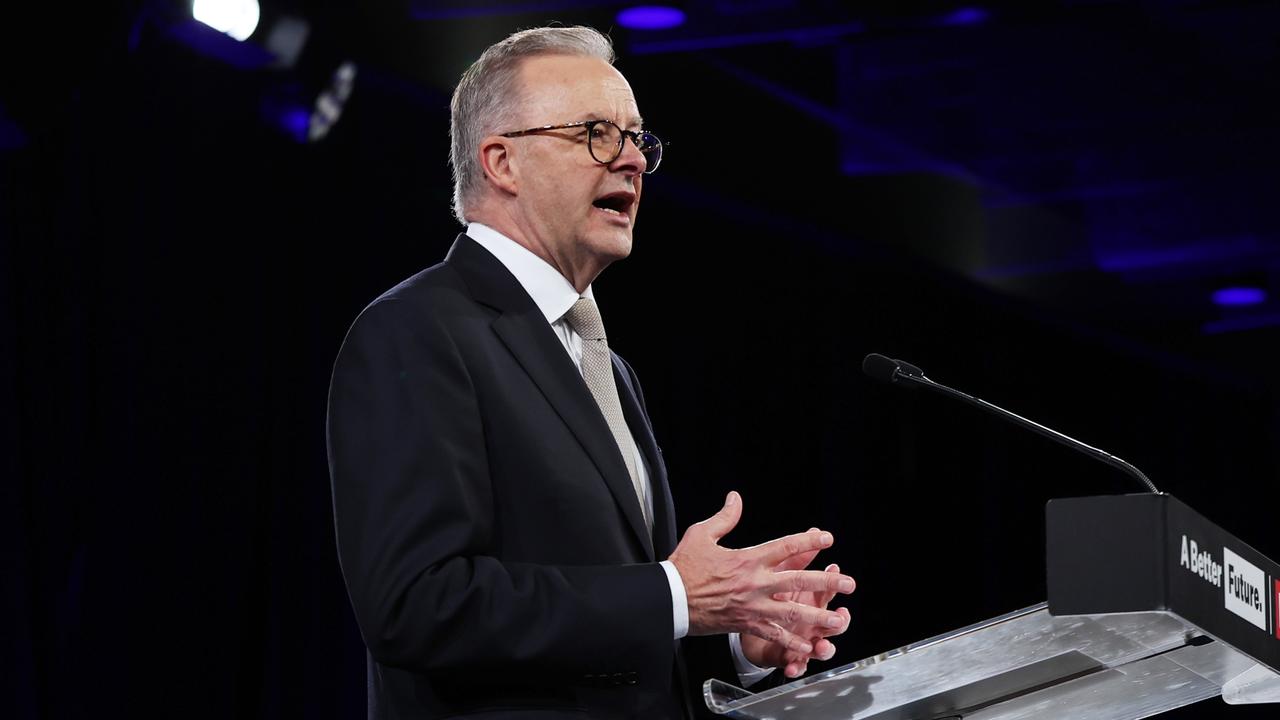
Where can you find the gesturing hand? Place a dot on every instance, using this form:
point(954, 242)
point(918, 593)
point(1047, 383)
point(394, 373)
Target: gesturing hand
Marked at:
point(770, 654)
point(758, 590)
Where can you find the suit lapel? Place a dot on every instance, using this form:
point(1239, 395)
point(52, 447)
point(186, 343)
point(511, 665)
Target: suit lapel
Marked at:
point(664, 516)
point(524, 330)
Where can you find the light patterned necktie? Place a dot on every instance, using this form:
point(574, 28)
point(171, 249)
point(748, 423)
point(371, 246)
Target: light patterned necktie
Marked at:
point(597, 371)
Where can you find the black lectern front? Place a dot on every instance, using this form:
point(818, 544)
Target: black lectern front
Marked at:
point(1151, 607)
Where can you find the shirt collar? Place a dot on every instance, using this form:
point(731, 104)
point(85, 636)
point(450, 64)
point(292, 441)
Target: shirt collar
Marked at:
point(550, 291)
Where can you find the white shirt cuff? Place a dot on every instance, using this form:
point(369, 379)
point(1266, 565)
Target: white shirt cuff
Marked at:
point(748, 673)
point(679, 601)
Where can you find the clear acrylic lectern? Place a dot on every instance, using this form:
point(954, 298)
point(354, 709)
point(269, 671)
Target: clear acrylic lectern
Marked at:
point(1175, 633)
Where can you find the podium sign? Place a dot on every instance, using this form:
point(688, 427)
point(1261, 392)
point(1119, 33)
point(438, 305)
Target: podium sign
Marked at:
point(1152, 552)
point(1131, 630)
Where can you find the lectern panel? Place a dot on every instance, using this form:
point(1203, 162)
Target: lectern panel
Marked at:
point(1154, 607)
point(1137, 690)
point(1026, 654)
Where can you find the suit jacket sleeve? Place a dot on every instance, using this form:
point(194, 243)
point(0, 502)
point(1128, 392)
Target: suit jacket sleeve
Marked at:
point(414, 509)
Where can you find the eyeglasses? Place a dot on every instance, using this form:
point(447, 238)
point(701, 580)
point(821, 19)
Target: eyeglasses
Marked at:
point(605, 141)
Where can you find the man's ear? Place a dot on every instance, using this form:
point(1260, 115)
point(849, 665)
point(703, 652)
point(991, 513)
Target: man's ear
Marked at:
point(497, 159)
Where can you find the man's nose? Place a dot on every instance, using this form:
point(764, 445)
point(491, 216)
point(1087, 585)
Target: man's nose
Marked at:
point(630, 160)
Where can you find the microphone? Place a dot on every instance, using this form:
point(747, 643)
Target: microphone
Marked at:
point(900, 372)
point(887, 369)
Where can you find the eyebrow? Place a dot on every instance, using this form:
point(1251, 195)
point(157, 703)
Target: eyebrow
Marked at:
point(635, 122)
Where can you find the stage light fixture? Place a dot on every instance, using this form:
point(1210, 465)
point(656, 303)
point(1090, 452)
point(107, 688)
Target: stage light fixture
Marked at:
point(237, 18)
point(298, 65)
point(330, 102)
point(308, 106)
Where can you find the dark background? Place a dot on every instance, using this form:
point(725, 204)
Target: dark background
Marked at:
point(1032, 201)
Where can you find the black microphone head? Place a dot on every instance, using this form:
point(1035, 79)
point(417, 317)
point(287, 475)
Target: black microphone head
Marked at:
point(907, 368)
point(880, 367)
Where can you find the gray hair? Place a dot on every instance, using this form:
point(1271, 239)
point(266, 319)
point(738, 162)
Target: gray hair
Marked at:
point(488, 95)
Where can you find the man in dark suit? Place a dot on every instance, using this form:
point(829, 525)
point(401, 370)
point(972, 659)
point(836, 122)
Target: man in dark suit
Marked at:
point(503, 517)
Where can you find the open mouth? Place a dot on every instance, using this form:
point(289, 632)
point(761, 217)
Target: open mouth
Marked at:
point(616, 203)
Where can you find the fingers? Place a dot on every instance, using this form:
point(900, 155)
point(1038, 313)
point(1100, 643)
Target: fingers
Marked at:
point(844, 615)
point(812, 581)
point(824, 649)
point(726, 519)
point(775, 552)
point(796, 665)
point(820, 599)
point(799, 561)
point(793, 644)
point(797, 615)
point(824, 599)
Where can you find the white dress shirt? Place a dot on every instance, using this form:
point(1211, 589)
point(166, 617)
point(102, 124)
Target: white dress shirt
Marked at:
point(553, 295)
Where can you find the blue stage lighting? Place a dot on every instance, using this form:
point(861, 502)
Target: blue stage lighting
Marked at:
point(650, 17)
point(1239, 296)
point(296, 122)
point(966, 16)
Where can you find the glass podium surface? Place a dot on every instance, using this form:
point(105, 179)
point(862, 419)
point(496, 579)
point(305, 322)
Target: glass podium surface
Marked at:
point(1026, 664)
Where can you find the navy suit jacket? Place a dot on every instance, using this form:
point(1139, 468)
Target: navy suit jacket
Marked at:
point(489, 535)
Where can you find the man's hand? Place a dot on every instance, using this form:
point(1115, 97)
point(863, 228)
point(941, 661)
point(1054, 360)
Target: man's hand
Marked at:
point(769, 654)
point(760, 591)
